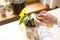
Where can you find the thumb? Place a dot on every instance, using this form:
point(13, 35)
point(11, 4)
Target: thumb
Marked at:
point(39, 22)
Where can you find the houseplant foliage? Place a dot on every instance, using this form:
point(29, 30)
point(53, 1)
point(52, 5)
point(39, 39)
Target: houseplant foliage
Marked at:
point(26, 18)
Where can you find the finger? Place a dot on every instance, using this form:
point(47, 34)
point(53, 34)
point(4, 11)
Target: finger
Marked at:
point(41, 18)
point(42, 15)
point(47, 21)
point(43, 23)
point(39, 22)
point(43, 12)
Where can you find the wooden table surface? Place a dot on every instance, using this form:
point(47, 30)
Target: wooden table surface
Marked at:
point(9, 17)
point(35, 7)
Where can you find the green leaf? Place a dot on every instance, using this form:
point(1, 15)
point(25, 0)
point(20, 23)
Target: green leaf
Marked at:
point(24, 19)
point(32, 21)
point(21, 20)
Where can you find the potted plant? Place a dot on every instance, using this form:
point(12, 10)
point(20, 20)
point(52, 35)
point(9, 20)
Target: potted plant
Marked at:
point(2, 10)
point(27, 19)
point(17, 6)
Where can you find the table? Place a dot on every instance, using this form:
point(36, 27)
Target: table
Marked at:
point(35, 7)
point(11, 31)
point(56, 32)
point(9, 17)
point(6, 20)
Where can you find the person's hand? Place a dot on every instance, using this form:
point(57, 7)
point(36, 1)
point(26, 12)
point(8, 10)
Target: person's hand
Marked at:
point(38, 20)
point(45, 17)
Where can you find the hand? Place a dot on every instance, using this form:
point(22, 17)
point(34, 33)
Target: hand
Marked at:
point(46, 18)
point(39, 22)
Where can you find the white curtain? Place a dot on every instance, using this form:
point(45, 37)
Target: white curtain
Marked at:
point(51, 3)
point(43, 2)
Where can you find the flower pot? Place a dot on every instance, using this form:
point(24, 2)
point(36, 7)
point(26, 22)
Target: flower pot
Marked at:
point(2, 11)
point(17, 6)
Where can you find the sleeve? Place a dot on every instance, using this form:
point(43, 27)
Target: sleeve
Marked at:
point(44, 33)
point(58, 22)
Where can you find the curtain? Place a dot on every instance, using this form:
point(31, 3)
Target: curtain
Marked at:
point(51, 3)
